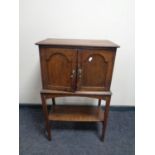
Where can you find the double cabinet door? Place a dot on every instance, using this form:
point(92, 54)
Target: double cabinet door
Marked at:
point(76, 69)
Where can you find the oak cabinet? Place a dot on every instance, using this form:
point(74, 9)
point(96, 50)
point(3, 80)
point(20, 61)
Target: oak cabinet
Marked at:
point(76, 68)
point(71, 69)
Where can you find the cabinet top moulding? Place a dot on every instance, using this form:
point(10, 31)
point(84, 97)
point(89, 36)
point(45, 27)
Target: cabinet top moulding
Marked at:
point(78, 43)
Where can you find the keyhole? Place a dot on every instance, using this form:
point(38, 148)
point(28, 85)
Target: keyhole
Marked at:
point(90, 59)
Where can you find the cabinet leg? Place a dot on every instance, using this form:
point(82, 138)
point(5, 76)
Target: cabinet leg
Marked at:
point(45, 111)
point(99, 102)
point(53, 101)
point(106, 112)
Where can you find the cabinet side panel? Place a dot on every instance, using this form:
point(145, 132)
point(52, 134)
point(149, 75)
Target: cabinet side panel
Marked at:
point(41, 54)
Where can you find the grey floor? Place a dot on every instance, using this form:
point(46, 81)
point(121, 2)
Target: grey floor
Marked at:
point(76, 138)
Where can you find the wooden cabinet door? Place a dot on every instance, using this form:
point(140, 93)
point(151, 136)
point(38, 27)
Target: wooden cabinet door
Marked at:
point(95, 68)
point(58, 66)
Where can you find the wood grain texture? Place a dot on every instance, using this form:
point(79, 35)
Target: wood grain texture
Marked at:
point(90, 94)
point(57, 67)
point(76, 113)
point(78, 42)
point(96, 68)
point(76, 68)
point(106, 113)
point(45, 111)
point(46, 91)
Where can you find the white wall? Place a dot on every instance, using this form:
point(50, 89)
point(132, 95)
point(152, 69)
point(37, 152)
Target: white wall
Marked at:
point(83, 19)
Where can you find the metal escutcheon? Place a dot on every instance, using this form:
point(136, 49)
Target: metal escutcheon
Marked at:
point(73, 72)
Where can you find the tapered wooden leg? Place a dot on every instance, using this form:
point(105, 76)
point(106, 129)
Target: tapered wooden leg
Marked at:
point(106, 112)
point(99, 102)
point(47, 124)
point(53, 101)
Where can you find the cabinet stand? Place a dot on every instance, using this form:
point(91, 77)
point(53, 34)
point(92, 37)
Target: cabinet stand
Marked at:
point(75, 113)
point(76, 67)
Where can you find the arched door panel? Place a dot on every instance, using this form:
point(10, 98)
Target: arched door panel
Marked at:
point(59, 71)
point(95, 69)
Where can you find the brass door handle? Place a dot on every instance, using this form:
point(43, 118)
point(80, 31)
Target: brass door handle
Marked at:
point(73, 80)
point(79, 72)
point(73, 72)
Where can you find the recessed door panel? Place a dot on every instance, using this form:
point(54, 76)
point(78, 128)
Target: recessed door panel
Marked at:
point(95, 69)
point(59, 71)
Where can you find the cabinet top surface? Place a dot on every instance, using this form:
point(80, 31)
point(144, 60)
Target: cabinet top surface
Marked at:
point(78, 42)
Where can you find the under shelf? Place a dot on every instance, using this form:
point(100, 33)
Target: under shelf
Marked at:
point(76, 113)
